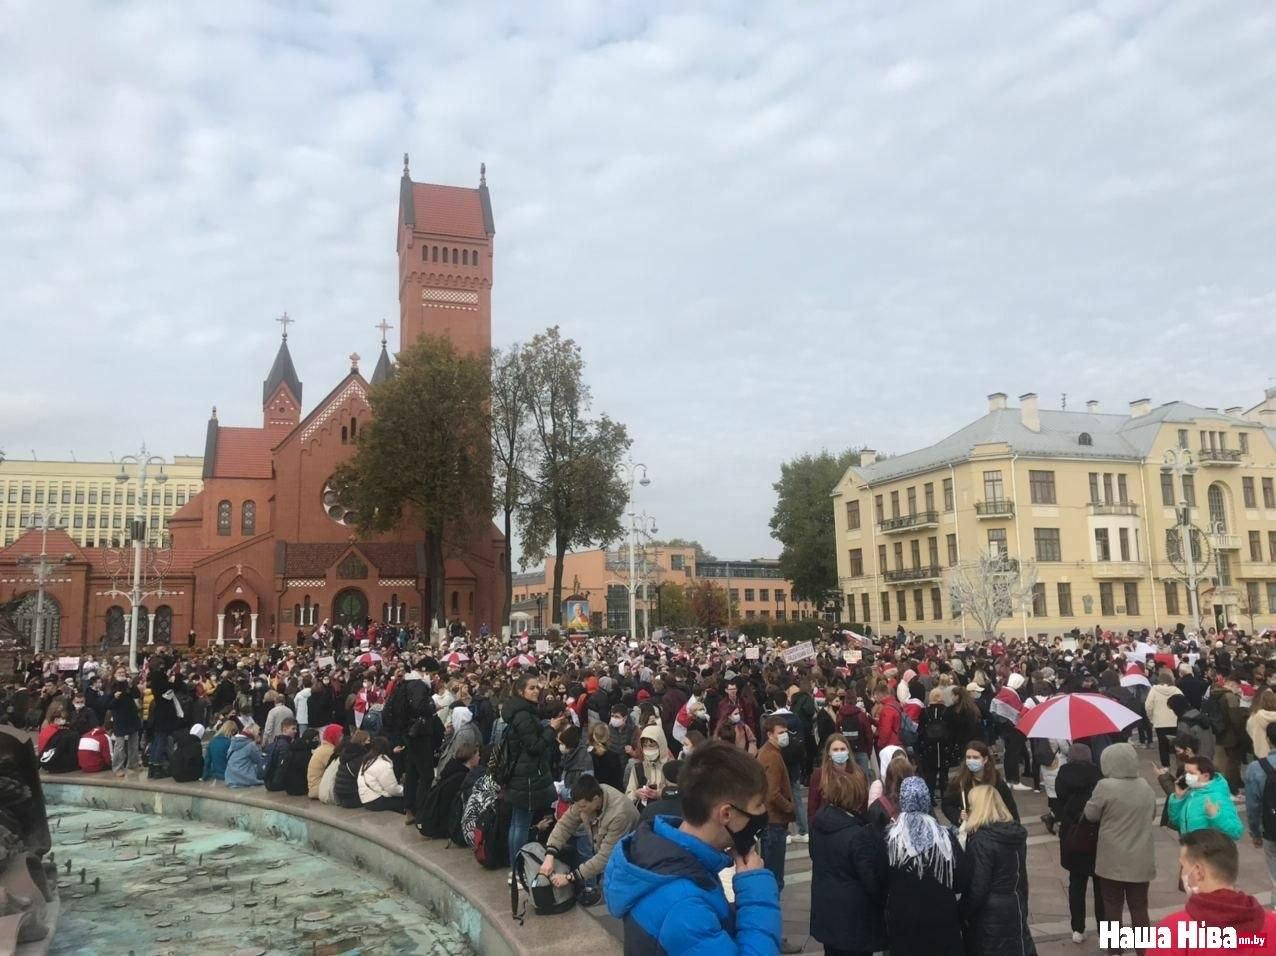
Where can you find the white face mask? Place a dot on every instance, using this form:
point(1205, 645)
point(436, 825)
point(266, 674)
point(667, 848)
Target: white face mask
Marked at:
point(618, 722)
point(650, 753)
point(1192, 780)
point(782, 739)
point(735, 718)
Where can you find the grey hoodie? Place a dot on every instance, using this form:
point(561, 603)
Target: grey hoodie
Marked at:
point(1124, 805)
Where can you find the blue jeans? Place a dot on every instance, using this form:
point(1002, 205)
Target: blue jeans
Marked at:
point(520, 826)
point(159, 748)
point(799, 801)
point(584, 848)
point(774, 840)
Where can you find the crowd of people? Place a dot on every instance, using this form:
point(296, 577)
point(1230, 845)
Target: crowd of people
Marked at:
point(646, 769)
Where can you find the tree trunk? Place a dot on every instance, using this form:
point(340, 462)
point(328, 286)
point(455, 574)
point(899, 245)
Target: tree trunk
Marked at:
point(556, 612)
point(436, 570)
point(509, 568)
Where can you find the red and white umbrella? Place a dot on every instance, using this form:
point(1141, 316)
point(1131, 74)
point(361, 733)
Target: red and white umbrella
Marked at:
point(523, 660)
point(1074, 716)
point(369, 657)
point(1134, 677)
point(456, 658)
point(1006, 705)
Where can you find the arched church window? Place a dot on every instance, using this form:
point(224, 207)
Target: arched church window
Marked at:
point(345, 434)
point(354, 427)
point(425, 253)
point(223, 518)
point(248, 518)
point(436, 253)
point(454, 256)
point(456, 601)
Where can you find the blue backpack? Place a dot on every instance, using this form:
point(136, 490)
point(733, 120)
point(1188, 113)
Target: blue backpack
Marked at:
point(907, 730)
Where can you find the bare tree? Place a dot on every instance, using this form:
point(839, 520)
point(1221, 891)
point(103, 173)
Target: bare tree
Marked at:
point(991, 588)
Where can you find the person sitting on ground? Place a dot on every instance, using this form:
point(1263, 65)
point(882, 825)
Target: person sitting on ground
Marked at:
point(441, 808)
point(244, 762)
point(662, 880)
point(607, 814)
point(218, 751)
point(277, 753)
point(345, 788)
point(187, 760)
point(670, 803)
point(296, 762)
point(1209, 863)
point(330, 740)
point(379, 788)
point(94, 755)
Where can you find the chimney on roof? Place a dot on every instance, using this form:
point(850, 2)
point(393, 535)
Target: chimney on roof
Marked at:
point(1234, 410)
point(1029, 413)
point(996, 401)
point(1268, 417)
point(868, 456)
point(1140, 407)
point(1092, 407)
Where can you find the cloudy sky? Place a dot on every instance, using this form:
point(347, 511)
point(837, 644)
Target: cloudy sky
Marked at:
point(773, 227)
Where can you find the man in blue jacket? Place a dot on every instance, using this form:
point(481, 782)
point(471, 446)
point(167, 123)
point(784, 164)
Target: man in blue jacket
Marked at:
point(663, 881)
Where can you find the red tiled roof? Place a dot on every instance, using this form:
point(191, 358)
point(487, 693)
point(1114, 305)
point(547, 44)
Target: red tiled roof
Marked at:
point(448, 210)
point(243, 453)
point(28, 545)
point(192, 509)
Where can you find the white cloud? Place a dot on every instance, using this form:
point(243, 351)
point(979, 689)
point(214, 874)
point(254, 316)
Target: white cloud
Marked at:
point(772, 227)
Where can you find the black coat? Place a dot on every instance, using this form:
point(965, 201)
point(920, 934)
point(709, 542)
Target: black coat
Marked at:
point(848, 881)
point(296, 784)
point(921, 912)
point(1073, 786)
point(965, 728)
point(995, 904)
point(532, 747)
point(609, 770)
point(935, 736)
point(187, 760)
point(951, 802)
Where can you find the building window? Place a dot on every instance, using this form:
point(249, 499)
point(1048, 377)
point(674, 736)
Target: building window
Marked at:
point(130, 497)
point(1041, 487)
point(1171, 597)
point(899, 555)
point(677, 562)
point(1182, 437)
point(223, 518)
point(780, 615)
point(877, 509)
point(1271, 552)
point(936, 604)
point(952, 550)
point(881, 558)
point(997, 542)
point(852, 515)
point(1038, 600)
point(168, 499)
point(762, 594)
point(1244, 440)
point(901, 605)
point(79, 495)
point(928, 491)
point(1271, 597)
point(933, 551)
point(1252, 600)
point(864, 605)
point(1094, 489)
point(912, 501)
point(919, 604)
point(1123, 543)
point(1123, 493)
point(915, 551)
point(948, 494)
point(1256, 546)
point(1107, 606)
point(1248, 492)
point(748, 594)
point(1102, 546)
point(434, 254)
point(181, 498)
point(1065, 599)
point(1047, 544)
point(1167, 489)
point(1224, 569)
point(993, 489)
point(850, 608)
point(1085, 439)
point(1189, 490)
point(779, 597)
point(1269, 493)
point(1131, 597)
point(248, 518)
point(894, 504)
point(155, 499)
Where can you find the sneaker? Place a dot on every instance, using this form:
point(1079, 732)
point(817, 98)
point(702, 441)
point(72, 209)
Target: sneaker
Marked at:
point(802, 838)
point(1020, 786)
point(1078, 938)
point(788, 838)
point(787, 947)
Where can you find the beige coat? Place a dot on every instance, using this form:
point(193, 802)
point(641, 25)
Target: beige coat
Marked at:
point(1256, 727)
point(1124, 805)
point(619, 817)
point(318, 764)
point(1158, 705)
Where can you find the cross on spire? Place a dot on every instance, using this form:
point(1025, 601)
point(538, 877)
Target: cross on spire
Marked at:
point(285, 322)
point(354, 361)
point(385, 327)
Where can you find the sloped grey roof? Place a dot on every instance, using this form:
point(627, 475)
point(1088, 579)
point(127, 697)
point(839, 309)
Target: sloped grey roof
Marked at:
point(1112, 437)
point(282, 371)
point(383, 370)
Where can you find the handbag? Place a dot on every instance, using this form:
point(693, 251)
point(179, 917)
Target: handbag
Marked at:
point(1082, 838)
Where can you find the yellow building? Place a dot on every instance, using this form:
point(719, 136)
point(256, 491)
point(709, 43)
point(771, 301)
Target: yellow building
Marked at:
point(93, 504)
point(757, 587)
point(1084, 496)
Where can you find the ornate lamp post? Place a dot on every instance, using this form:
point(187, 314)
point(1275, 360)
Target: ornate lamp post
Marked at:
point(1179, 462)
point(630, 469)
point(142, 463)
point(43, 567)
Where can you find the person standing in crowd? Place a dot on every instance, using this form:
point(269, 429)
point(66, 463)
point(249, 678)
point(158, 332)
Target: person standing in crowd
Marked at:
point(1074, 785)
point(301, 703)
point(1231, 738)
point(1262, 824)
point(934, 742)
point(977, 769)
point(848, 869)
point(1210, 864)
point(126, 727)
point(735, 731)
point(837, 759)
point(779, 800)
point(662, 880)
point(994, 904)
point(1203, 801)
point(1160, 715)
point(1124, 806)
point(1262, 715)
point(857, 727)
point(530, 790)
point(923, 862)
point(885, 793)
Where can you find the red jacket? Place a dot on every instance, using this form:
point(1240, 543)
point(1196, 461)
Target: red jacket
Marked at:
point(888, 722)
point(1223, 908)
point(95, 751)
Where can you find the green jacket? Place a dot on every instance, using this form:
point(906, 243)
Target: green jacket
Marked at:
point(1187, 813)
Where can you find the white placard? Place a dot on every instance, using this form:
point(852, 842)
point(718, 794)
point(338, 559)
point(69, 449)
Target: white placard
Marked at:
point(752, 653)
point(798, 652)
point(322, 662)
point(542, 647)
point(852, 657)
point(68, 663)
point(958, 648)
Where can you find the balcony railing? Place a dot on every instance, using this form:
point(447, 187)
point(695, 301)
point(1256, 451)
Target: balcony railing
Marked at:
point(928, 573)
point(995, 508)
point(1113, 508)
point(1219, 456)
point(1119, 569)
point(922, 519)
point(1223, 541)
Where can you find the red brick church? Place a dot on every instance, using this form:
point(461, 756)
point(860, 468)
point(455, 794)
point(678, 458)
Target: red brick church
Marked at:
point(266, 549)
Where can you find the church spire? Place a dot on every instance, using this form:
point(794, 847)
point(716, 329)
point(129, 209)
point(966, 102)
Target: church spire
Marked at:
point(384, 367)
point(281, 390)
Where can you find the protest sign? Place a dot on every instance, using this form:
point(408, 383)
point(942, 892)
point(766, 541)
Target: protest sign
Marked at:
point(852, 657)
point(322, 662)
point(542, 647)
point(798, 652)
point(68, 663)
point(752, 653)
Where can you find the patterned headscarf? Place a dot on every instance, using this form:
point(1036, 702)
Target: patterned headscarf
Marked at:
point(916, 838)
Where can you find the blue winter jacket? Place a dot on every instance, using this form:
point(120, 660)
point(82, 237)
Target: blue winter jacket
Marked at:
point(244, 764)
point(664, 884)
point(215, 758)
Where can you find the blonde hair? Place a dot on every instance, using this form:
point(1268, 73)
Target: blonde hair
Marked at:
point(228, 729)
point(983, 806)
point(599, 737)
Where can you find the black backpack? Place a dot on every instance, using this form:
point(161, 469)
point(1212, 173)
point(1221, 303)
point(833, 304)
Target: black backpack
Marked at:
point(62, 753)
point(1269, 800)
point(936, 731)
point(492, 836)
point(1216, 713)
point(346, 788)
point(435, 818)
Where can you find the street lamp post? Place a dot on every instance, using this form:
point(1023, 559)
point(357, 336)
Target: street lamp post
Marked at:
point(630, 469)
point(137, 533)
point(43, 567)
point(1180, 463)
point(643, 524)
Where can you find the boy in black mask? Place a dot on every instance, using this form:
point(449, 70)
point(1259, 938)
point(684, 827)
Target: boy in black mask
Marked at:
point(663, 879)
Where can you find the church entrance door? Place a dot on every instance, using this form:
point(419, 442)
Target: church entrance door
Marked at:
point(350, 608)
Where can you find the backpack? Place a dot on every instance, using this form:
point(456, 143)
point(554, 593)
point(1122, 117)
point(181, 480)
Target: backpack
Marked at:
point(277, 772)
point(1216, 713)
point(546, 899)
point(492, 836)
point(500, 766)
point(907, 730)
point(62, 753)
point(481, 797)
point(434, 818)
point(1043, 751)
point(936, 732)
point(1269, 800)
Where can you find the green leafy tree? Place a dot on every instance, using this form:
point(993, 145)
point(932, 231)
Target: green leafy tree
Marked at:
point(675, 606)
point(511, 436)
point(708, 603)
point(803, 524)
point(424, 458)
point(574, 493)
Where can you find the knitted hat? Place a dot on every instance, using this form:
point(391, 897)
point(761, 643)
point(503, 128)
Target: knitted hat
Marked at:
point(332, 734)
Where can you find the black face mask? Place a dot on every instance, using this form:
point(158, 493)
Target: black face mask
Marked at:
point(746, 839)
